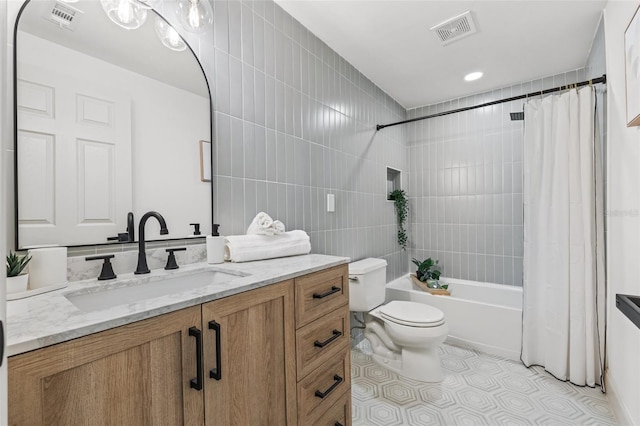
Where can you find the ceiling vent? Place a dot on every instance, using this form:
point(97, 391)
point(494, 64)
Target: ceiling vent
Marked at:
point(455, 28)
point(64, 15)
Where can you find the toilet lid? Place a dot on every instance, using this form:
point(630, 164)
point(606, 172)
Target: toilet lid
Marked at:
point(412, 314)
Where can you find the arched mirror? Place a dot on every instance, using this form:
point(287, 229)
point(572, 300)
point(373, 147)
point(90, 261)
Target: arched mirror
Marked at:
point(108, 121)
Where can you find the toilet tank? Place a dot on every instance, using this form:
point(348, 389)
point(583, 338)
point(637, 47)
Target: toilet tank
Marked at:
point(367, 280)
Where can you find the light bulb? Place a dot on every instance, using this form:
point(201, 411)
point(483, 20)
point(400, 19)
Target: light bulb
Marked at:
point(125, 11)
point(169, 36)
point(173, 37)
point(128, 14)
point(195, 15)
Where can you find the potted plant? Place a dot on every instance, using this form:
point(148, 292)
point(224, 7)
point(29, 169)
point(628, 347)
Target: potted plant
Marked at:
point(16, 280)
point(401, 204)
point(427, 272)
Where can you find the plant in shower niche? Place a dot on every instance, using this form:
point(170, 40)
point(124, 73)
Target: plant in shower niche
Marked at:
point(401, 204)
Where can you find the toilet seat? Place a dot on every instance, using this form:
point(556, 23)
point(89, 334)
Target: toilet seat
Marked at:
point(412, 314)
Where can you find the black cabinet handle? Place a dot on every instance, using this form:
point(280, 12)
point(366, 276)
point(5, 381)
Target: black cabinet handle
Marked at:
point(337, 379)
point(335, 335)
point(333, 290)
point(337, 424)
point(216, 373)
point(197, 382)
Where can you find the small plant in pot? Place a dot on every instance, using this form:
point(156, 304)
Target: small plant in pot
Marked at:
point(16, 280)
point(427, 272)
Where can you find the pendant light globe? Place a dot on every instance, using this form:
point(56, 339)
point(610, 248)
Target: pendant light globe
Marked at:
point(195, 15)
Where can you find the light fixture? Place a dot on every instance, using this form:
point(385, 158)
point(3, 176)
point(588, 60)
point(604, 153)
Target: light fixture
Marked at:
point(169, 37)
point(473, 76)
point(128, 14)
point(195, 15)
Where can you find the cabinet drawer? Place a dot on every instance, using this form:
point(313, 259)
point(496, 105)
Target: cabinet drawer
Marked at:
point(322, 340)
point(321, 292)
point(338, 414)
point(323, 387)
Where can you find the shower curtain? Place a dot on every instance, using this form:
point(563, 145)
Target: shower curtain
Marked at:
point(563, 238)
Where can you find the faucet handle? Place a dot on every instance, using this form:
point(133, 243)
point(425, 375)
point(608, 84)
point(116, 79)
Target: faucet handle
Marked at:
point(171, 260)
point(196, 228)
point(107, 270)
point(123, 237)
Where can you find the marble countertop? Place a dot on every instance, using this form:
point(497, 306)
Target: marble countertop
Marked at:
point(50, 318)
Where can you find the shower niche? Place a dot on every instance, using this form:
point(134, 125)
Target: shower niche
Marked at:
point(394, 181)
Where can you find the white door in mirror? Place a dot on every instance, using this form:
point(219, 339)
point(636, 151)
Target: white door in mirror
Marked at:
point(74, 151)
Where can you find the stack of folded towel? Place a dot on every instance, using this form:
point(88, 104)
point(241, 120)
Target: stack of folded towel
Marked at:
point(265, 239)
point(262, 224)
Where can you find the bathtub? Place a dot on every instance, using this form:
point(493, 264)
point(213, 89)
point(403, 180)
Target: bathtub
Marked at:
point(482, 316)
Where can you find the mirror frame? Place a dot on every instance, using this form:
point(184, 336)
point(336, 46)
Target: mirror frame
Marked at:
point(15, 136)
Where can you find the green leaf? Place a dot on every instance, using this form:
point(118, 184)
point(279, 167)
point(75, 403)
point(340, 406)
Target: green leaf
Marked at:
point(16, 264)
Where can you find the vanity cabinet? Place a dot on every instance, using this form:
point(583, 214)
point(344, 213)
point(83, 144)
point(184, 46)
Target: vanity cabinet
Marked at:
point(137, 374)
point(276, 355)
point(322, 348)
point(250, 376)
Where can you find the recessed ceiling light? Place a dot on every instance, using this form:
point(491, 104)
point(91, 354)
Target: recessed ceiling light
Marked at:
point(473, 76)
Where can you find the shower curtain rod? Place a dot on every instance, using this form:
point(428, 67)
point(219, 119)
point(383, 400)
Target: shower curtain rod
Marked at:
point(598, 80)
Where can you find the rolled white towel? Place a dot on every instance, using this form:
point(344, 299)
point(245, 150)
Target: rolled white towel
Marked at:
point(246, 248)
point(278, 227)
point(261, 225)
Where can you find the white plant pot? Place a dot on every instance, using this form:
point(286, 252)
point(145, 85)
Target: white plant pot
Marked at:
point(17, 284)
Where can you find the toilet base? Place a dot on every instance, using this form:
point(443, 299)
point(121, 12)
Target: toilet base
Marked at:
point(421, 364)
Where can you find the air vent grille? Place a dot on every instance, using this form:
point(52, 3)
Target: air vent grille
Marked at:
point(64, 15)
point(455, 28)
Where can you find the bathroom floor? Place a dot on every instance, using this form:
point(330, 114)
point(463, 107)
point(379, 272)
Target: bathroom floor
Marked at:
point(478, 389)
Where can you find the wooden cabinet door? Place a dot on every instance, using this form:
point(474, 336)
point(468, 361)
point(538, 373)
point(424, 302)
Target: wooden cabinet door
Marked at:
point(255, 365)
point(137, 374)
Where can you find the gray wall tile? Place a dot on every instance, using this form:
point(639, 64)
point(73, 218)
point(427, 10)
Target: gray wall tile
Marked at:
point(287, 114)
point(465, 184)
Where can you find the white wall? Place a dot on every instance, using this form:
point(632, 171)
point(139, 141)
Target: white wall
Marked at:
point(167, 124)
point(623, 221)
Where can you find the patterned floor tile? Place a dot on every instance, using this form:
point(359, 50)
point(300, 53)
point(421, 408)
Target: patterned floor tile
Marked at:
point(478, 389)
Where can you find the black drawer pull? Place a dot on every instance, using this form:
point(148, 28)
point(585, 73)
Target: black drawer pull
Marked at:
point(197, 382)
point(338, 424)
point(333, 290)
point(337, 379)
point(216, 373)
point(335, 335)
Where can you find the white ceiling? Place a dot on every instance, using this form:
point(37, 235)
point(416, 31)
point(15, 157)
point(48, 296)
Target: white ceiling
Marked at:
point(389, 41)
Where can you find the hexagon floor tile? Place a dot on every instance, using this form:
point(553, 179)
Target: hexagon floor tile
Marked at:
point(478, 389)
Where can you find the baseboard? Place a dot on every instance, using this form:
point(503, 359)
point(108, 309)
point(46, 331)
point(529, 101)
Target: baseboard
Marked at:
point(619, 409)
point(487, 349)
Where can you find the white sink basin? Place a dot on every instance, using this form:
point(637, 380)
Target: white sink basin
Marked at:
point(117, 294)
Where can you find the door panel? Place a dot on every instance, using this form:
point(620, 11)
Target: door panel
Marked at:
point(74, 143)
point(135, 374)
point(257, 384)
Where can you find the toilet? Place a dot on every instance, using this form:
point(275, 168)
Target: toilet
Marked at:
point(404, 336)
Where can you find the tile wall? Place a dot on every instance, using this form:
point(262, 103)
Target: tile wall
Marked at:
point(294, 122)
point(465, 184)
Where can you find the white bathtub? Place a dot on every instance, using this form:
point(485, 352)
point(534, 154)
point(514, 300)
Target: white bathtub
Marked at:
point(482, 316)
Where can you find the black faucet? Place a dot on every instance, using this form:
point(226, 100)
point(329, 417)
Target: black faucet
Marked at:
point(142, 267)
